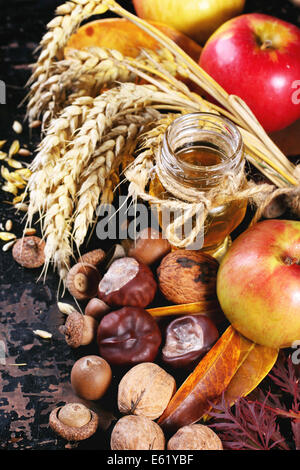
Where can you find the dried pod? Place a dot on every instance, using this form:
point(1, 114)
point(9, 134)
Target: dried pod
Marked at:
point(29, 252)
point(137, 433)
point(73, 422)
point(96, 308)
point(145, 390)
point(150, 247)
point(83, 280)
point(127, 282)
point(91, 377)
point(187, 276)
point(79, 330)
point(195, 437)
point(94, 257)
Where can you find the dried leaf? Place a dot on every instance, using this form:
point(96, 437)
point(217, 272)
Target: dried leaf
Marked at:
point(207, 382)
point(254, 364)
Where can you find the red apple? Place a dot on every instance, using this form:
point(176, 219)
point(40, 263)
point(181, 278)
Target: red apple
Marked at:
point(257, 57)
point(197, 19)
point(258, 283)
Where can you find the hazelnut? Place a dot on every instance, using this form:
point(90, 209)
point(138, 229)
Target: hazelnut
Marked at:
point(91, 377)
point(137, 433)
point(187, 276)
point(96, 308)
point(79, 330)
point(29, 252)
point(195, 437)
point(83, 280)
point(150, 247)
point(73, 422)
point(127, 283)
point(94, 257)
point(145, 390)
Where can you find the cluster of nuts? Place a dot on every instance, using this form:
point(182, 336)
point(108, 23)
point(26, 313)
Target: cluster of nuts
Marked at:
point(143, 395)
point(117, 290)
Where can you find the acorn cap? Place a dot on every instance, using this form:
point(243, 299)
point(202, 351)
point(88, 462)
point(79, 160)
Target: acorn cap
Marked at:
point(93, 257)
point(29, 252)
point(72, 433)
point(83, 280)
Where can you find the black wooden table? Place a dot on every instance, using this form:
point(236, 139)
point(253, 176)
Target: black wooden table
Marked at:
point(35, 372)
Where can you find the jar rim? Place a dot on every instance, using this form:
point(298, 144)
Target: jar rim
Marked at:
point(232, 158)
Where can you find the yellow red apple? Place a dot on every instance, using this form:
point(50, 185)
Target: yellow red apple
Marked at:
point(124, 36)
point(258, 283)
point(196, 18)
point(257, 57)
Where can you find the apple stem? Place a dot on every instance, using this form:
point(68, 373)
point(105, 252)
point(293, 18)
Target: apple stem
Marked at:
point(267, 44)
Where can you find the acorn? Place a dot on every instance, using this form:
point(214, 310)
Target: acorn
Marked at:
point(73, 421)
point(29, 252)
point(79, 330)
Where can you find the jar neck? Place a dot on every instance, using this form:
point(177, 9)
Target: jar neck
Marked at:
point(198, 149)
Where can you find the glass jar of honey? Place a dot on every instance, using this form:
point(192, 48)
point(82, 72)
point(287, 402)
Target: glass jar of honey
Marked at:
point(197, 150)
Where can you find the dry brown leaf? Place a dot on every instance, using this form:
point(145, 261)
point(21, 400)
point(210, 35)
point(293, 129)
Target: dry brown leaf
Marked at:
point(255, 363)
point(207, 382)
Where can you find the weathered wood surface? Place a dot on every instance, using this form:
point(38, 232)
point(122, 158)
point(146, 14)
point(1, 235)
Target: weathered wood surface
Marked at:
point(28, 392)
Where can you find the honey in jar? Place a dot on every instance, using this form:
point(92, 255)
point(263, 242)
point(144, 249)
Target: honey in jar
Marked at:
point(196, 151)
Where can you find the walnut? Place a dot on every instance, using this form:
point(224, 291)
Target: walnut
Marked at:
point(137, 433)
point(145, 390)
point(195, 437)
point(187, 276)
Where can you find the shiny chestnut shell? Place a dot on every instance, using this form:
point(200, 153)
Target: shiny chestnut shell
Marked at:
point(127, 283)
point(188, 339)
point(128, 336)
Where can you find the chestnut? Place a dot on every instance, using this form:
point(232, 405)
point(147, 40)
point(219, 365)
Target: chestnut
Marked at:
point(150, 247)
point(91, 377)
point(188, 339)
point(127, 283)
point(128, 336)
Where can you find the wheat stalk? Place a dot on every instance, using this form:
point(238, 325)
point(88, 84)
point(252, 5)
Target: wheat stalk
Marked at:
point(65, 171)
point(87, 72)
point(98, 176)
point(50, 150)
